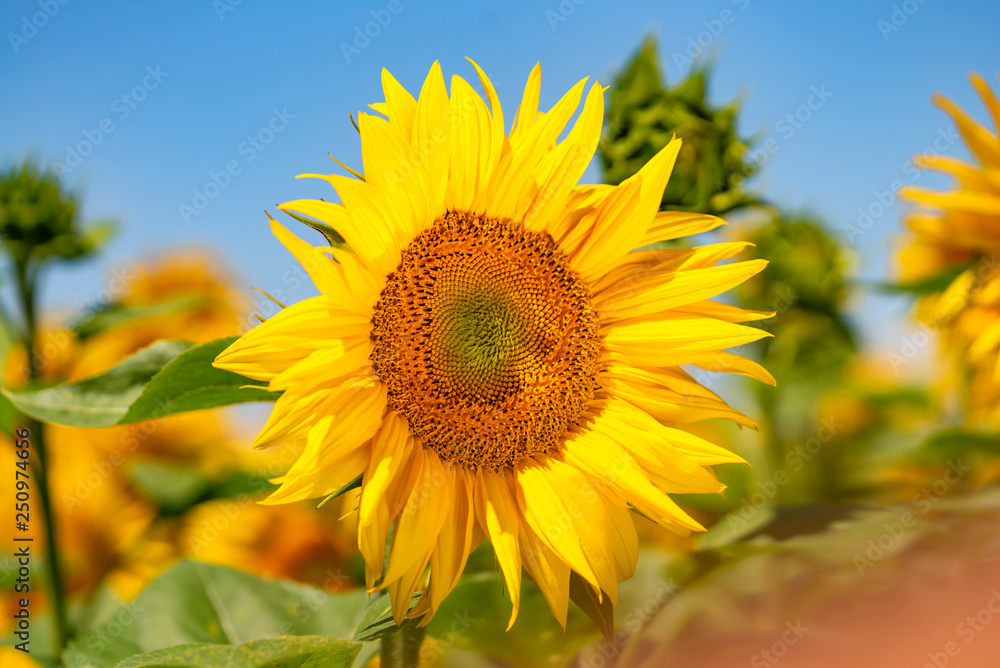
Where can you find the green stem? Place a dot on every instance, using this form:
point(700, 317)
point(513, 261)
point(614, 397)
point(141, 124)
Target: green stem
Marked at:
point(26, 282)
point(53, 560)
point(401, 647)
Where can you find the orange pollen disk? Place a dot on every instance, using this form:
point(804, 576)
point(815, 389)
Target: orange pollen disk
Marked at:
point(486, 340)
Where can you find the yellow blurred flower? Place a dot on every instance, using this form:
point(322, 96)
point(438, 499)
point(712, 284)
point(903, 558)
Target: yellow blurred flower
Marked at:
point(297, 541)
point(99, 514)
point(56, 349)
point(13, 658)
point(959, 231)
point(214, 309)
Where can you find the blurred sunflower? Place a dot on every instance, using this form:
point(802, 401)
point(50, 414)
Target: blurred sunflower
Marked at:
point(91, 469)
point(294, 542)
point(493, 359)
point(14, 658)
point(956, 238)
point(195, 300)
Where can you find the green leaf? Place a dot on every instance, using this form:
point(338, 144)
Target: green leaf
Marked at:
point(958, 442)
point(237, 483)
point(166, 378)
point(476, 613)
point(331, 235)
point(377, 620)
point(191, 383)
point(202, 603)
point(172, 486)
point(600, 611)
point(117, 314)
point(102, 400)
point(101, 606)
point(8, 413)
point(96, 235)
point(175, 488)
point(354, 484)
point(278, 652)
point(774, 523)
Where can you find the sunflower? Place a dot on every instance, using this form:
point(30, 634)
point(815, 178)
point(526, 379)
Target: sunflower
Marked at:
point(492, 359)
point(956, 233)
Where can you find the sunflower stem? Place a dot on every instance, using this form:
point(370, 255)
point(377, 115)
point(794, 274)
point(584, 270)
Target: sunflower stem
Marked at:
point(26, 284)
point(401, 647)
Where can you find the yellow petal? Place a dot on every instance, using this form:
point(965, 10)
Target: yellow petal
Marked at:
point(721, 311)
point(327, 366)
point(371, 242)
point(962, 201)
point(624, 540)
point(383, 491)
point(497, 143)
point(549, 572)
point(401, 590)
point(326, 274)
point(616, 230)
point(721, 361)
point(573, 228)
point(560, 170)
point(527, 112)
point(400, 107)
point(470, 146)
point(667, 405)
point(358, 407)
point(513, 176)
point(980, 140)
point(662, 341)
point(643, 266)
point(431, 138)
point(626, 216)
point(971, 176)
point(566, 513)
point(676, 224)
point(455, 540)
point(603, 459)
point(289, 336)
point(654, 176)
point(421, 519)
point(497, 514)
point(342, 458)
point(988, 98)
point(663, 291)
point(649, 444)
point(390, 165)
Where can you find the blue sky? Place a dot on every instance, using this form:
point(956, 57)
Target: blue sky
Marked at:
point(201, 78)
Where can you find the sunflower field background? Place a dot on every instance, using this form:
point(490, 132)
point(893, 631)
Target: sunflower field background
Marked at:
point(864, 527)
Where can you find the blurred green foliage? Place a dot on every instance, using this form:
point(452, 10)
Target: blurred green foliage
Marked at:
point(805, 285)
point(39, 218)
point(642, 116)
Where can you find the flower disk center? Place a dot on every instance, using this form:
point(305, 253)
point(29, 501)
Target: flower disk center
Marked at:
point(486, 340)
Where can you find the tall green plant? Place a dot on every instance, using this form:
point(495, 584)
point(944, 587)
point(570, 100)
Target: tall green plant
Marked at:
point(40, 224)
